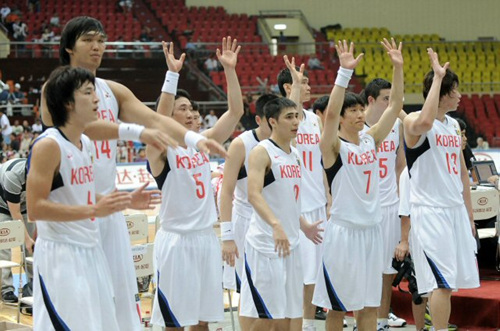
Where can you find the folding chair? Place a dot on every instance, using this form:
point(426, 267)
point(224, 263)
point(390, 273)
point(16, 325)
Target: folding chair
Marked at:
point(12, 236)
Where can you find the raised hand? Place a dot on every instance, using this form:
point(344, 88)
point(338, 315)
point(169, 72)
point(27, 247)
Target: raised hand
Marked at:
point(296, 75)
point(439, 70)
point(142, 199)
point(394, 51)
point(173, 64)
point(158, 139)
point(346, 55)
point(229, 55)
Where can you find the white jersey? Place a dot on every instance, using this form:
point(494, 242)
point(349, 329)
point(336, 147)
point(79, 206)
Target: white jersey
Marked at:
point(387, 153)
point(354, 183)
point(434, 166)
point(105, 154)
point(404, 193)
point(73, 185)
point(185, 182)
point(240, 203)
point(313, 188)
point(282, 193)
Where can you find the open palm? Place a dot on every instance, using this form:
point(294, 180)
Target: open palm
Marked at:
point(228, 57)
point(346, 55)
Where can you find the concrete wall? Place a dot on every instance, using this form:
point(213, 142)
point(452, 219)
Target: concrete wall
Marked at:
point(451, 19)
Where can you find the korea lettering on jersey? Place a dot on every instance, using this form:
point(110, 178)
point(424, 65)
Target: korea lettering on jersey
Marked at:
point(355, 185)
point(105, 150)
point(187, 200)
point(308, 138)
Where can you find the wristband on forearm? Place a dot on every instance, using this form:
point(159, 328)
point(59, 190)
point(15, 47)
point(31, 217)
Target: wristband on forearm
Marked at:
point(226, 231)
point(343, 77)
point(128, 131)
point(170, 84)
point(191, 139)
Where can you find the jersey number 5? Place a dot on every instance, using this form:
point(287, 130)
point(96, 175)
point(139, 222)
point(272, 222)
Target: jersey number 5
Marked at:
point(200, 187)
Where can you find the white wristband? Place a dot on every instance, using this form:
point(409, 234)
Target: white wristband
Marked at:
point(192, 138)
point(226, 231)
point(343, 77)
point(128, 131)
point(170, 84)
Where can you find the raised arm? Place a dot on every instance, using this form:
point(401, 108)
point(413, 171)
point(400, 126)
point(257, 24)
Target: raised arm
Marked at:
point(380, 130)
point(169, 89)
point(330, 142)
point(296, 80)
point(418, 124)
point(226, 124)
point(234, 162)
point(258, 163)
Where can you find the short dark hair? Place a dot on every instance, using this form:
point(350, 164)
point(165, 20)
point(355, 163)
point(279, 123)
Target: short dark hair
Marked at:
point(351, 100)
point(450, 81)
point(60, 90)
point(273, 108)
point(183, 94)
point(195, 105)
point(285, 77)
point(261, 102)
point(321, 103)
point(461, 122)
point(373, 89)
point(75, 28)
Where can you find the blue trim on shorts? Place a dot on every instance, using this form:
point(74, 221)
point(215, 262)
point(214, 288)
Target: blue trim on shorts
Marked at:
point(257, 299)
point(238, 282)
point(56, 320)
point(441, 282)
point(166, 312)
point(334, 299)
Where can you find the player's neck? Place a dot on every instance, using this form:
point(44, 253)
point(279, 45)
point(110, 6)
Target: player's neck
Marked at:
point(441, 113)
point(372, 116)
point(93, 70)
point(282, 142)
point(349, 135)
point(260, 135)
point(73, 134)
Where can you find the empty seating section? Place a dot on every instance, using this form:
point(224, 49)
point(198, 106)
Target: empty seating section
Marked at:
point(483, 115)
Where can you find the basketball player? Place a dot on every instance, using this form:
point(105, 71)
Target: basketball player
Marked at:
point(351, 277)
point(72, 283)
point(82, 45)
point(313, 205)
point(442, 226)
point(187, 251)
point(391, 160)
point(238, 211)
point(271, 290)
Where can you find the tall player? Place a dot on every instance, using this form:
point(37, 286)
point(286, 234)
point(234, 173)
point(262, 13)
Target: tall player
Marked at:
point(313, 205)
point(187, 252)
point(271, 290)
point(351, 276)
point(82, 45)
point(72, 284)
point(391, 160)
point(235, 213)
point(442, 226)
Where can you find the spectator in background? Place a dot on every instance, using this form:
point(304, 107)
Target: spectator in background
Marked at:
point(6, 128)
point(26, 126)
point(25, 143)
point(126, 5)
point(482, 144)
point(4, 12)
point(19, 31)
point(466, 150)
point(122, 152)
point(141, 156)
point(145, 35)
point(17, 128)
point(262, 85)
point(314, 63)
point(248, 120)
point(17, 96)
point(54, 20)
point(37, 126)
point(34, 6)
point(210, 119)
point(211, 64)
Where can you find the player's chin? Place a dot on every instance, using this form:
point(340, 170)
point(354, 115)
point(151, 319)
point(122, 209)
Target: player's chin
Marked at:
point(293, 133)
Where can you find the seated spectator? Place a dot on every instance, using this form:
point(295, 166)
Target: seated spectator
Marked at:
point(4, 12)
point(126, 5)
point(37, 126)
point(262, 84)
point(466, 150)
point(17, 96)
point(6, 128)
point(34, 6)
point(314, 63)
point(17, 128)
point(54, 20)
point(25, 144)
point(20, 30)
point(26, 126)
point(211, 64)
point(482, 144)
point(15, 143)
point(145, 35)
point(47, 35)
point(210, 119)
